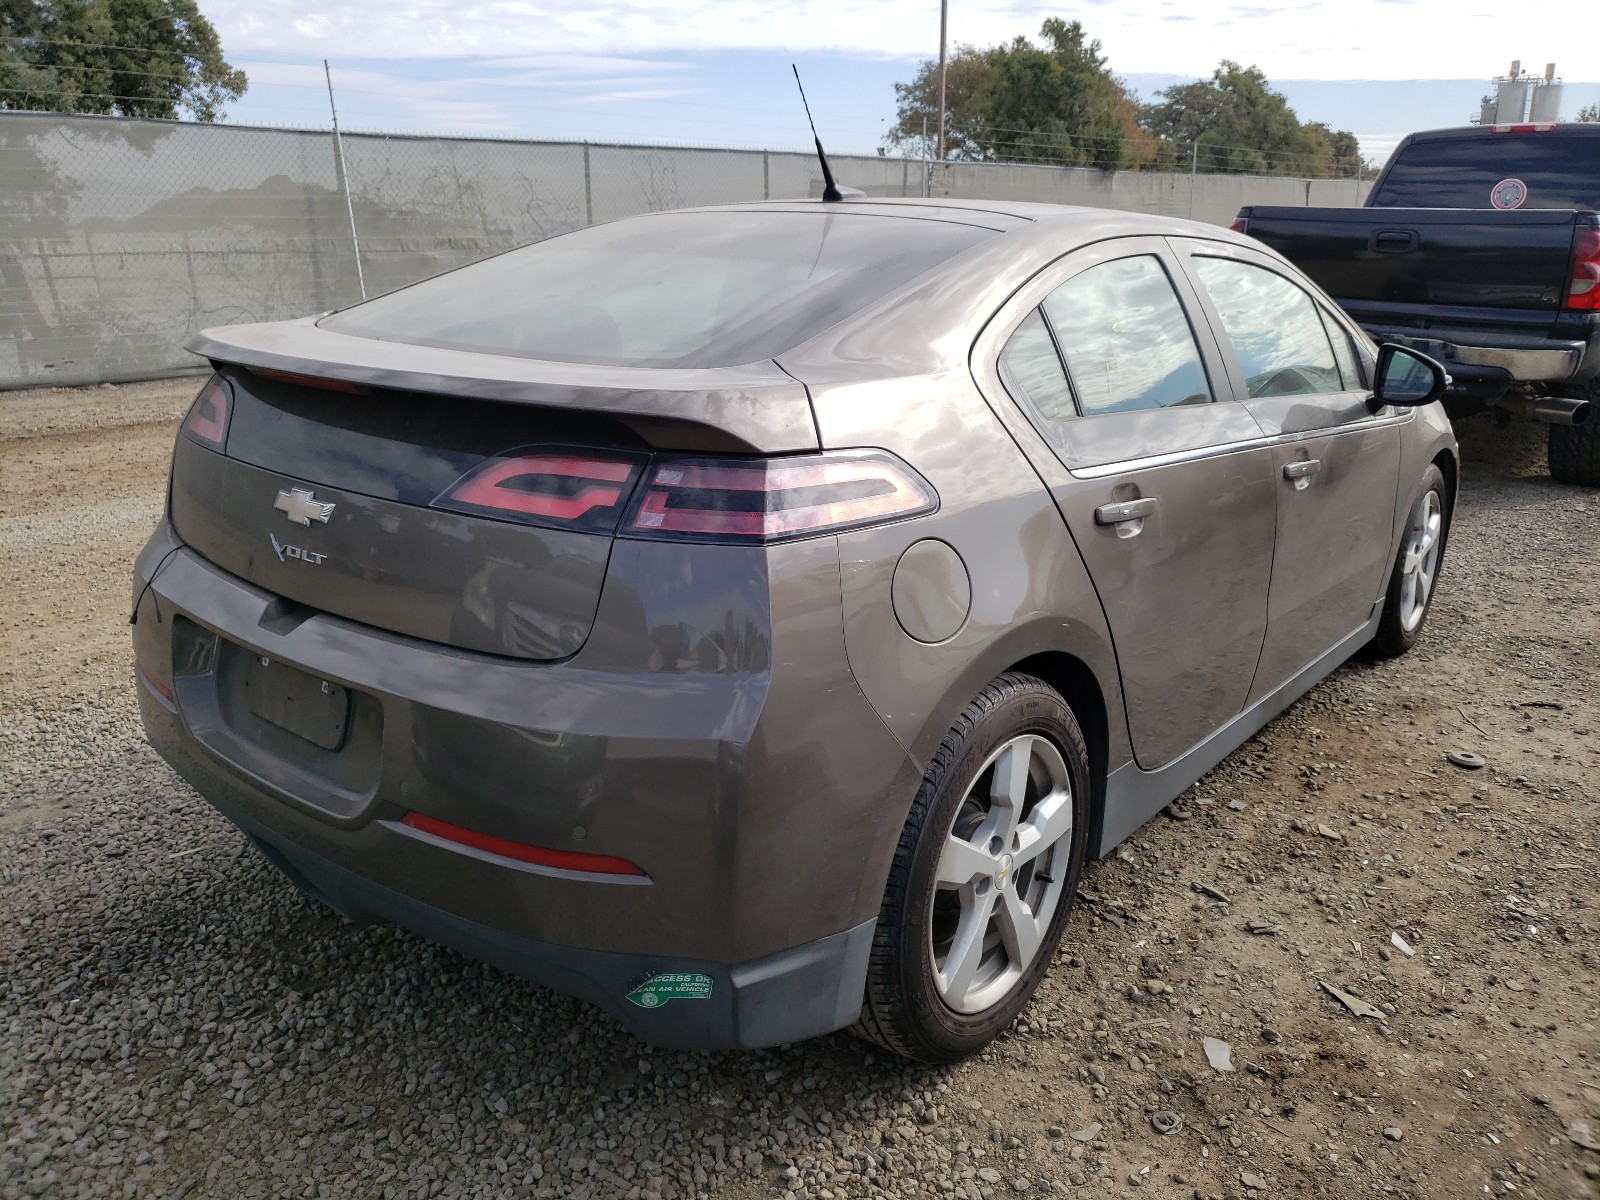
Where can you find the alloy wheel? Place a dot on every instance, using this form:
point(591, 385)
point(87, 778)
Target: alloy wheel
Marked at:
point(1424, 540)
point(1001, 873)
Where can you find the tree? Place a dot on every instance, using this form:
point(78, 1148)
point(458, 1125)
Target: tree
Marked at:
point(1057, 102)
point(131, 58)
point(1589, 113)
point(1234, 121)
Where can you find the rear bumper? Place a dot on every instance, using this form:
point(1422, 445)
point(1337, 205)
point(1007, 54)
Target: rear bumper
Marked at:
point(764, 822)
point(801, 992)
point(1511, 358)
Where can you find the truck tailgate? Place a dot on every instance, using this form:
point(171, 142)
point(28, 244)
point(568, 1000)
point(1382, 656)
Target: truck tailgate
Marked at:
point(1519, 260)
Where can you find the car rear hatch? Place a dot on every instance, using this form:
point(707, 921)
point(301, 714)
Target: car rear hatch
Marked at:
point(447, 503)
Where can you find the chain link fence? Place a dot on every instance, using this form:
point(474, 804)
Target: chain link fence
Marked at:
point(120, 238)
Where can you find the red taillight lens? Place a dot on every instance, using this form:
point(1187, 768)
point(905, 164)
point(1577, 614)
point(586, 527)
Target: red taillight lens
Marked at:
point(561, 860)
point(1584, 291)
point(311, 381)
point(562, 489)
point(768, 500)
point(208, 417)
point(1240, 225)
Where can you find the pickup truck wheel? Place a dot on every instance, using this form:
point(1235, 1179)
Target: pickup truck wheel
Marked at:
point(1416, 568)
point(1574, 450)
point(983, 876)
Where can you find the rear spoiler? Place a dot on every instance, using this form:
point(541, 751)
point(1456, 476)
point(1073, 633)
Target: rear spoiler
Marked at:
point(755, 408)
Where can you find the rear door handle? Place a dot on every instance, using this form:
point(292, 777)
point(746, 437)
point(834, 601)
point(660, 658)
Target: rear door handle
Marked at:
point(1129, 514)
point(1300, 473)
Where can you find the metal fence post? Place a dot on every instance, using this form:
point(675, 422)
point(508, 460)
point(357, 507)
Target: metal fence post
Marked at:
point(344, 178)
point(766, 175)
point(588, 189)
point(1194, 173)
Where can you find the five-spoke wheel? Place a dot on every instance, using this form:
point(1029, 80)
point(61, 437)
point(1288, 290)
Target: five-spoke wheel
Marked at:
point(983, 878)
point(1419, 558)
point(1416, 568)
point(1001, 873)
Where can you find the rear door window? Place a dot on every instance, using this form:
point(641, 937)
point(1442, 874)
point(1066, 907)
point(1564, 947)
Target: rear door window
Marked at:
point(1126, 339)
point(1554, 169)
point(1277, 334)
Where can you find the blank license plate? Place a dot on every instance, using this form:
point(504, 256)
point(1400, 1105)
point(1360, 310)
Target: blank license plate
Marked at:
point(315, 709)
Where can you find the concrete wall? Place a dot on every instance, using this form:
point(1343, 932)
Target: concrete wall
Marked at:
point(119, 239)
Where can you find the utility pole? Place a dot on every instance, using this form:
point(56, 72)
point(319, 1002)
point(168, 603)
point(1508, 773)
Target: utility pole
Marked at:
point(944, 22)
point(344, 177)
point(927, 163)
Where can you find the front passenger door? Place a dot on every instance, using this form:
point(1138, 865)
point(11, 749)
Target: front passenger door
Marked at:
point(1337, 462)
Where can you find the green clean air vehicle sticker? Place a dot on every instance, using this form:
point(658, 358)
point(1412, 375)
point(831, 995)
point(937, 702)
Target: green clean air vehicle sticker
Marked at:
point(656, 990)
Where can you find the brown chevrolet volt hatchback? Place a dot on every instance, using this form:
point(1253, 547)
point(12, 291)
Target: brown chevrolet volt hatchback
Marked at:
point(750, 619)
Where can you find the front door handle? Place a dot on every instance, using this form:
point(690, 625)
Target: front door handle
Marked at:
point(1126, 510)
point(1126, 515)
point(1300, 473)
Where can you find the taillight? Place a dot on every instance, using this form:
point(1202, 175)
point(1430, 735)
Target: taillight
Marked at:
point(1584, 291)
point(561, 489)
point(207, 421)
point(773, 499)
point(1240, 224)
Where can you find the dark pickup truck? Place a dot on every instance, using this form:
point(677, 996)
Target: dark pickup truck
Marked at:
point(1480, 247)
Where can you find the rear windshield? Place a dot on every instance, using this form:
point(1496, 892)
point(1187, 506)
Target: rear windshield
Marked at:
point(1495, 170)
point(698, 289)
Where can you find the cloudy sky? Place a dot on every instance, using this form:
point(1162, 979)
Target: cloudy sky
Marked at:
point(716, 73)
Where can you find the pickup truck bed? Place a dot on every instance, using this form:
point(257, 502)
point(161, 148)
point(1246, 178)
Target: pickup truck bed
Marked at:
point(1479, 247)
point(1482, 291)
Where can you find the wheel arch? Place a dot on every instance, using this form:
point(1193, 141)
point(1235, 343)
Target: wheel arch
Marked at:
point(1077, 662)
point(1450, 468)
point(1079, 687)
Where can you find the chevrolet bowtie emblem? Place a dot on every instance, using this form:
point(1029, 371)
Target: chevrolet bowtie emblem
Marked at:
point(302, 507)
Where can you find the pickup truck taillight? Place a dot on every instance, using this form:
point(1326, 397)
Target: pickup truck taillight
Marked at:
point(1584, 292)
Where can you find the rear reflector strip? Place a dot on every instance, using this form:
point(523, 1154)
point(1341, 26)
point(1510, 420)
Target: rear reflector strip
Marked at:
point(540, 856)
point(154, 684)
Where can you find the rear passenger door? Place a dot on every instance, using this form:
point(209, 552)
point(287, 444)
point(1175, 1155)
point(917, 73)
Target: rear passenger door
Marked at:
point(1160, 475)
point(1293, 365)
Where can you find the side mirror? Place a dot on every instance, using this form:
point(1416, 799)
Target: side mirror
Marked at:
point(1407, 379)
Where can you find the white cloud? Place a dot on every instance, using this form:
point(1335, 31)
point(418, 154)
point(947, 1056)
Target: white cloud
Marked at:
point(1303, 39)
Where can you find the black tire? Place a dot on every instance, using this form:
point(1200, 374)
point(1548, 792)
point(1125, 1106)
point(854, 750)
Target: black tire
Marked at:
point(1394, 638)
point(903, 1010)
point(1574, 450)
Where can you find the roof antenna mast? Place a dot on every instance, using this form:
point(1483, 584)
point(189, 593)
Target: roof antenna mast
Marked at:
point(831, 191)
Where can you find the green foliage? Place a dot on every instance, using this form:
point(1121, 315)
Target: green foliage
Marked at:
point(1057, 102)
point(1589, 113)
point(1235, 122)
point(133, 58)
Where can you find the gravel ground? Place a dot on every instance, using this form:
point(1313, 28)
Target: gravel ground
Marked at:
point(175, 1021)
